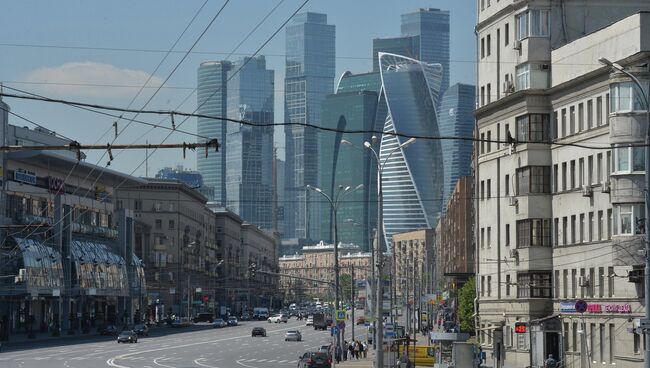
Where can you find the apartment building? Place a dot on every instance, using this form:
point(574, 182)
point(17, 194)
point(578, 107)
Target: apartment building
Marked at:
point(557, 189)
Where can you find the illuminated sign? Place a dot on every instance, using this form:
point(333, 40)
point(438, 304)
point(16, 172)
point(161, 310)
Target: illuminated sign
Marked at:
point(55, 185)
point(24, 176)
point(520, 327)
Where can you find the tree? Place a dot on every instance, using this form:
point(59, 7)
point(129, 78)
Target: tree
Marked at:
point(345, 284)
point(466, 296)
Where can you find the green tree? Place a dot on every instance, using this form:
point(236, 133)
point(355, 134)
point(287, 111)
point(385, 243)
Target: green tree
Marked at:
point(345, 284)
point(466, 296)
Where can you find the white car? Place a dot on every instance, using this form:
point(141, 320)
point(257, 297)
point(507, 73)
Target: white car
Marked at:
point(310, 321)
point(278, 318)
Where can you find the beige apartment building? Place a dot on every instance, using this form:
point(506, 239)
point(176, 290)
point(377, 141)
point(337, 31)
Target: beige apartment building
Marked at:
point(558, 189)
point(412, 262)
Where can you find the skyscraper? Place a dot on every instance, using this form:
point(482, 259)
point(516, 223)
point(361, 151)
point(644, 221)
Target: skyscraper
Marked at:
point(211, 100)
point(408, 46)
point(310, 63)
point(249, 157)
point(432, 25)
point(456, 119)
point(412, 179)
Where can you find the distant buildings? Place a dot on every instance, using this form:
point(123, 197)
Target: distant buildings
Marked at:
point(192, 179)
point(309, 77)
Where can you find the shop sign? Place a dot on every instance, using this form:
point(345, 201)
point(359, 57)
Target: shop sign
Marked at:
point(24, 176)
point(55, 185)
point(569, 307)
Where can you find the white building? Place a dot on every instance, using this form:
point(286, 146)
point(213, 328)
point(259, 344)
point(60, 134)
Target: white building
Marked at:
point(549, 229)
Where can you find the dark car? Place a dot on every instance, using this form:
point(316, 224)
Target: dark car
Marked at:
point(245, 317)
point(110, 330)
point(204, 317)
point(258, 331)
point(232, 321)
point(314, 359)
point(127, 336)
point(141, 329)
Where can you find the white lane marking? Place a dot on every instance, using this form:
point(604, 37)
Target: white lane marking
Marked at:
point(196, 361)
point(244, 365)
point(155, 361)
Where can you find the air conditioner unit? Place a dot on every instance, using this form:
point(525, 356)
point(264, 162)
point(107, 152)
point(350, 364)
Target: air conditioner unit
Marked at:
point(508, 87)
point(606, 186)
point(583, 281)
point(635, 276)
point(513, 201)
point(544, 66)
point(514, 253)
point(516, 45)
point(587, 191)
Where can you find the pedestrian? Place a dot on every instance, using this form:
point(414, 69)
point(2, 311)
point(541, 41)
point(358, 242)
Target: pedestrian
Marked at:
point(550, 362)
point(364, 349)
point(351, 349)
point(345, 350)
point(338, 354)
point(356, 350)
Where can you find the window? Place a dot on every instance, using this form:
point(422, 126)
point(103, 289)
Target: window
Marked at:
point(629, 159)
point(565, 283)
point(599, 168)
point(581, 172)
point(581, 117)
point(563, 122)
point(507, 235)
point(556, 232)
point(507, 185)
point(555, 178)
point(629, 219)
point(171, 224)
point(489, 188)
point(591, 227)
point(582, 237)
point(534, 285)
point(612, 342)
point(523, 77)
point(533, 233)
point(574, 282)
point(610, 281)
point(158, 224)
point(590, 114)
point(482, 142)
point(564, 176)
point(533, 179)
point(522, 26)
point(482, 189)
point(506, 34)
point(488, 41)
point(609, 223)
point(489, 133)
point(489, 94)
point(532, 23)
point(482, 48)
point(573, 174)
point(625, 96)
point(609, 165)
point(590, 170)
point(482, 285)
point(482, 237)
point(574, 335)
point(601, 282)
point(572, 120)
point(489, 237)
point(573, 229)
point(601, 226)
point(533, 128)
point(482, 97)
point(556, 291)
point(508, 281)
point(489, 285)
point(599, 111)
point(565, 229)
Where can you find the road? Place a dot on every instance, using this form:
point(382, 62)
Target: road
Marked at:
point(202, 347)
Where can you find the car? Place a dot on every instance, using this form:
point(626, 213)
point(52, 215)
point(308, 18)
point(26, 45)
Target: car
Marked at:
point(278, 318)
point(219, 323)
point(310, 321)
point(127, 336)
point(361, 320)
point(109, 330)
point(258, 331)
point(141, 329)
point(204, 317)
point(314, 359)
point(232, 321)
point(293, 335)
point(245, 317)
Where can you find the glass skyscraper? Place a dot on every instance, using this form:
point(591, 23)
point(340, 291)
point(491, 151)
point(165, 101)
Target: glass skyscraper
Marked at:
point(249, 154)
point(413, 177)
point(211, 100)
point(408, 46)
point(432, 25)
point(456, 118)
point(309, 77)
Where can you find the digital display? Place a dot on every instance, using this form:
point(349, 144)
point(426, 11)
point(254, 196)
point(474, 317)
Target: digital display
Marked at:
point(520, 328)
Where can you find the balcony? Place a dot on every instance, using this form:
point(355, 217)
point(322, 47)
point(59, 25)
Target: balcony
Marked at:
point(534, 258)
point(627, 188)
point(628, 250)
point(534, 206)
point(627, 127)
point(100, 231)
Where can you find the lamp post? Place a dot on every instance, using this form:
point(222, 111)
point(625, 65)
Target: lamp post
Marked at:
point(645, 95)
point(379, 330)
point(334, 203)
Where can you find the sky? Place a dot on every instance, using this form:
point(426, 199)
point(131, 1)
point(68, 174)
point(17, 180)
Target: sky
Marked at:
point(102, 52)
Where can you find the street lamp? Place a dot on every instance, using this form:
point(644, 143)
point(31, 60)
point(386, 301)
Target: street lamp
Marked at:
point(645, 95)
point(334, 203)
point(379, 330)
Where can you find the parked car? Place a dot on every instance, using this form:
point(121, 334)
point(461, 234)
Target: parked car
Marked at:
point(293, 335)
point(278, 318)
point(127, 336)
point(109, 330)
point(141, 329)
point(245, 317)
point(310, 321)
point(204, 317)
point(258, 331)
point(361, 320)
point(314, 359)
point(232, 321)
point(219, 323)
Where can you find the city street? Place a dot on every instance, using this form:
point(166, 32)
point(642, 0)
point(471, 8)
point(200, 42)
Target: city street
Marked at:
point(207, 348)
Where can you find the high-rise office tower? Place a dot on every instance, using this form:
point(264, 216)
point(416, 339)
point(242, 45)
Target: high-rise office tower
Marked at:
point(456, 119)
point(309, 77)
point(408, 46)
point(412, 179)
point(211, 99)
point(432, 26)
point(249, 157)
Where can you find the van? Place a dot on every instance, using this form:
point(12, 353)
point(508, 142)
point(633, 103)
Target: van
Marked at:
point(260, 313)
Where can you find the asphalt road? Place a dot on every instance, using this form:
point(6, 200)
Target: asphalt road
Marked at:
point(201, 347)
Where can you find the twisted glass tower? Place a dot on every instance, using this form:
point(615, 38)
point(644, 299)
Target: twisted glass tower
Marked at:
point(413, 177)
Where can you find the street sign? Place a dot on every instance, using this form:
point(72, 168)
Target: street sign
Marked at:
point(581, 306)
point(340, 314)
point(199, 290)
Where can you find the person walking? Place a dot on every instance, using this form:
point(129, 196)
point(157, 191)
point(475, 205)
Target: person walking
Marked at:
point(337, 354)
point(364, 349)
point(550, 362)
point(351, 350)
point(356, 350)
point(345, 350)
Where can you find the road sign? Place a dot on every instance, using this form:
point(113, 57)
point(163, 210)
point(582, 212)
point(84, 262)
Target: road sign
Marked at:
point(581, 306)
point(340, 314)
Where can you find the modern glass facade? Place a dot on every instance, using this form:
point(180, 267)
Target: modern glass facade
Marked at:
point(432, 25)
point(349, 166)
point(309, 77)
point(211, 100)
point(456, 119)
point(249, 157)
point(408, 46)
point(413, 177)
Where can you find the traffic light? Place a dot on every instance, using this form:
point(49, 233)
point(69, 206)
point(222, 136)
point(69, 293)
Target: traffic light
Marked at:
point(251, 270)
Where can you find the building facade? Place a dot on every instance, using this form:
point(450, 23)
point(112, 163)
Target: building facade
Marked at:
point(249, 154)
point(309, 77)
point(555, 205)
point(412, 179)
point(412, 260)
point(192, 178)
point(212, 97)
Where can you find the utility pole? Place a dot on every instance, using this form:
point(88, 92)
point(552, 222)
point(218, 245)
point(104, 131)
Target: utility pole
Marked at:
point(353, 302)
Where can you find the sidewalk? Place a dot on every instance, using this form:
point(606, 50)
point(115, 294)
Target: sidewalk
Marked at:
point(361, 363)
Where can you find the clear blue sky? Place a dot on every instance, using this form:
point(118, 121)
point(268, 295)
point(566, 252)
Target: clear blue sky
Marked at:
point(154, 25)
